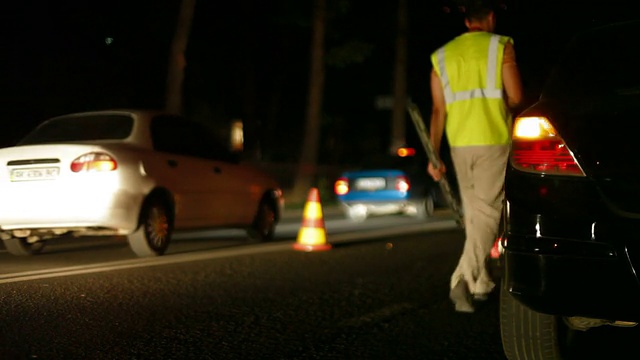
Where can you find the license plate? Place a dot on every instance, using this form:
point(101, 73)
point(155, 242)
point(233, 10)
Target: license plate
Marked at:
point(31, 174)
point(376, 183)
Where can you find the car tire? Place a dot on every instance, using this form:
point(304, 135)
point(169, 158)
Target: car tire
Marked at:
point(263, 227)
point(425, 208)
point(21, 247)
point(154, 230)
point(527, 334)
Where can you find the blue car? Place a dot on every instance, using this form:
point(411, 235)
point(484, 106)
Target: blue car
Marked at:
point(399, 185)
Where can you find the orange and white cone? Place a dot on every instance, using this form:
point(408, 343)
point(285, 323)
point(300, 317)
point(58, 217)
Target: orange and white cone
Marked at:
point(312, 235)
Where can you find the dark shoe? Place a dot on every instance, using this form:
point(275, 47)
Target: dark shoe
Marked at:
point(461, 297)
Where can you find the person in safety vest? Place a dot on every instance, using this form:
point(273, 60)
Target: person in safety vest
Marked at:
point(475, 87)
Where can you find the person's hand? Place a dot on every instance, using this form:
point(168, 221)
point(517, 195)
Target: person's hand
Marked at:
point(436, 173)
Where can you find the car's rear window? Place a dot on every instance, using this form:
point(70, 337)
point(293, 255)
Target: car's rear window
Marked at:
point(80, 128)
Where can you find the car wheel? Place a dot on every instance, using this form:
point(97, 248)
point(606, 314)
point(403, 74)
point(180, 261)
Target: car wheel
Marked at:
point(425, 208)
point(21, 247)
point(263, 227)
point(154, 232)
point(357, 213)
point(527, 334)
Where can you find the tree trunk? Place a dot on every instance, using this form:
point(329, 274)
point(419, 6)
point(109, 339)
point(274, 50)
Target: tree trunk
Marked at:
point(308, 163)
point(398, 115)
point(177, 60)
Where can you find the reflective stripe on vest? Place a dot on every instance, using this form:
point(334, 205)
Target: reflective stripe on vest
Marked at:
point(490, 92)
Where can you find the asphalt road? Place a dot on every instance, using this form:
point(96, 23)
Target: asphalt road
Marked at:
point(370, 297)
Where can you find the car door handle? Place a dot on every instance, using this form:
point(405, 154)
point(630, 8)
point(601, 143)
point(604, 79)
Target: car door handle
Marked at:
point(172, 163)
point(217, 170)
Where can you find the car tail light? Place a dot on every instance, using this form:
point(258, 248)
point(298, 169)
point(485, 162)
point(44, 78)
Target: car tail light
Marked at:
point(405, 152)
point(94, 162)
point(537, 147)
point(497, 249)
point(341, 186)
point(402, 184)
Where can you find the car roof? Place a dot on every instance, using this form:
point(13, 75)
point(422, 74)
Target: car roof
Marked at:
point(124, 111)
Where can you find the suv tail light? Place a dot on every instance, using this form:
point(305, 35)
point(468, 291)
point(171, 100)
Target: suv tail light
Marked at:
point(341, 186)
point(536, 147)
point(402, 184)
point(93, 162)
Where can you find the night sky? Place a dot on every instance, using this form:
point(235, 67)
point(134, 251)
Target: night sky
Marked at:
point(249, 59)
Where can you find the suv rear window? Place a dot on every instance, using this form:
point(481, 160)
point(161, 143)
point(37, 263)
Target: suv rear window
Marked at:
point(80, 128)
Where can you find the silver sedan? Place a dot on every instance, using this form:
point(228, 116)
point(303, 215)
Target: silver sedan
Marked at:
point(141, 174)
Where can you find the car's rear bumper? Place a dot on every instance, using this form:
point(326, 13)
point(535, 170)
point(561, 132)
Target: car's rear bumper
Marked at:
point(566, 252)
point(601, 287)
point(382, 207)
point(116, 210)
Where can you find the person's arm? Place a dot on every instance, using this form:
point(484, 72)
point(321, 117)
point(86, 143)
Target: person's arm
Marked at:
point(511, 78)
point(438, 117)
point(438, 111)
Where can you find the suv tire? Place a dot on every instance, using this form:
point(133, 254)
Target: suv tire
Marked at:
point(527, 334)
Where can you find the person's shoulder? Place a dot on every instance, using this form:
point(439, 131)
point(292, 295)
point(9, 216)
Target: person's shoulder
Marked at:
point(504, 39)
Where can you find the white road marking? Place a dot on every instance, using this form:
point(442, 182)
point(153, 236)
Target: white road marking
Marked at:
point(217, 253)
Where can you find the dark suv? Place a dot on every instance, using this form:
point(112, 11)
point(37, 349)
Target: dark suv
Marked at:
point(572, 212)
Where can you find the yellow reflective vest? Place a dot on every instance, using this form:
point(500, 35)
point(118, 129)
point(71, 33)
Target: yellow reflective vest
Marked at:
point(470, 69)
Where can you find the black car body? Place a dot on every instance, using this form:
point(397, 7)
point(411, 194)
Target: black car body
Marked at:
point(572, 211)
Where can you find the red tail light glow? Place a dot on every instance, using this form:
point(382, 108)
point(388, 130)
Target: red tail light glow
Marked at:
point(537, 147)
point(341, 186)
point(402, 184)
point(94, 162)
point(405, 152)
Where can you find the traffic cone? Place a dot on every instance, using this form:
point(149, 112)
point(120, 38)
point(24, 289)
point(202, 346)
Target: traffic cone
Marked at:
point(312, 235)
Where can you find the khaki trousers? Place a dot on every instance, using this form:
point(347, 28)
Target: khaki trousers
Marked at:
point(480, 171)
